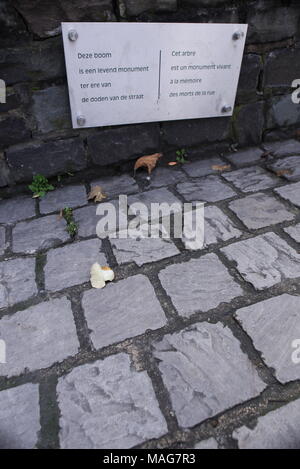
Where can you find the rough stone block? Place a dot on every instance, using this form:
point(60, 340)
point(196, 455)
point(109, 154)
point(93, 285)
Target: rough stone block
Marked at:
point(108, 395)
point(282, 112)
point(278, 72)
point(122, 143)
point(38, 337)
point(290, 193)
point(70, 265)
point(44, 17)
point(55, 100)
point(205, 372)
point(208, 189)
point(245, 157)
point(260, 210)
point(142, 251)
point(155, 196)
point(69, 196)
point(135, 8)
point(40, 60)
point(50, 158)
point(249, 76)
point(291, 164)
point(38, 234)
point(294, 232)
point(202, 167)
point(271, 23)
point(251, 179)
point(248, 123)
point(278, 429)
point(273, 325)
point(206, 284)
point(122, 310)
point(16, 209)
point(265, 260)
point(196, 131)
point(17, 281)
point(13, 129)
point(20, 417)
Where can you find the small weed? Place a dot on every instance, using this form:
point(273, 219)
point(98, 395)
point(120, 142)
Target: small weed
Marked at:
point(72, 228)
point(181, 156)
point(40, 186)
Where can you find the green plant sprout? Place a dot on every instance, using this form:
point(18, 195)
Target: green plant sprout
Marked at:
point(72, 228)
point(40, 186)
point(181, 156)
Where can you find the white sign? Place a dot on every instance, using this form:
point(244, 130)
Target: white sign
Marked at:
point(123, 73)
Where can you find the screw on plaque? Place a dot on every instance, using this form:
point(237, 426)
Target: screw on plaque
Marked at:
point(226, 109)
point(81, 120)
point(237, 35)
point(73, 35)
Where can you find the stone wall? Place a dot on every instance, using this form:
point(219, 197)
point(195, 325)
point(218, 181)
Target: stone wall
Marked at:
point(35, 130)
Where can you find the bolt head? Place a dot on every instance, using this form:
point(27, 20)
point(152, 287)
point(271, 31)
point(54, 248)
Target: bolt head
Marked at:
point(73, 35)
point(81, 120)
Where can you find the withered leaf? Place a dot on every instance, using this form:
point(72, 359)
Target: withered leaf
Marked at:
point(97, 194)
point(172, 163)
point(148, 161)
point(283, 172)
point(221, 167)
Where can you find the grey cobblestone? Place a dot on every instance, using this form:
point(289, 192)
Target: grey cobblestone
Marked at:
point(186, 360)
point(2, 240)
point(278, 429)
point(260, 210)
point(202, 167)
point(264, 260)
point(117, 185)
point(20, 208)
point(245, 157)
point(291, 164)
point(166, 176)
point(290, 193)
point(70, 265)
point(211, 443)
point(108, 395)
point(142, 251)
point(38, 337)
point(19, 417)
point(217, 228)
point(41, 233)
point(286, 148)
point(251, 179)
point(199, 284)
point(273, 325)
point(294, 232)
point(17, 281)
point(69, 196)
point(154, 196)
point(113, 315)
point(208, 189)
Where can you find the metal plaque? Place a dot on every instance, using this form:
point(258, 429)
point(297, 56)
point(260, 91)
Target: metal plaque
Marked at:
point(124, 73)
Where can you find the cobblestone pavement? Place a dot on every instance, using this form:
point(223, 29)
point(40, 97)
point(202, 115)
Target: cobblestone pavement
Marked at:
point(185, 349)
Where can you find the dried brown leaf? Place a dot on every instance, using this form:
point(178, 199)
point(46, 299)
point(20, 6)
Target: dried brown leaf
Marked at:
point(283, 172)
point(221, 167)
point(148, 161)
point(172, 163)
point(97, 194)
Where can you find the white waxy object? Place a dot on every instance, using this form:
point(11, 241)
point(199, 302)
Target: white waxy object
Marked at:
point(101, 275)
